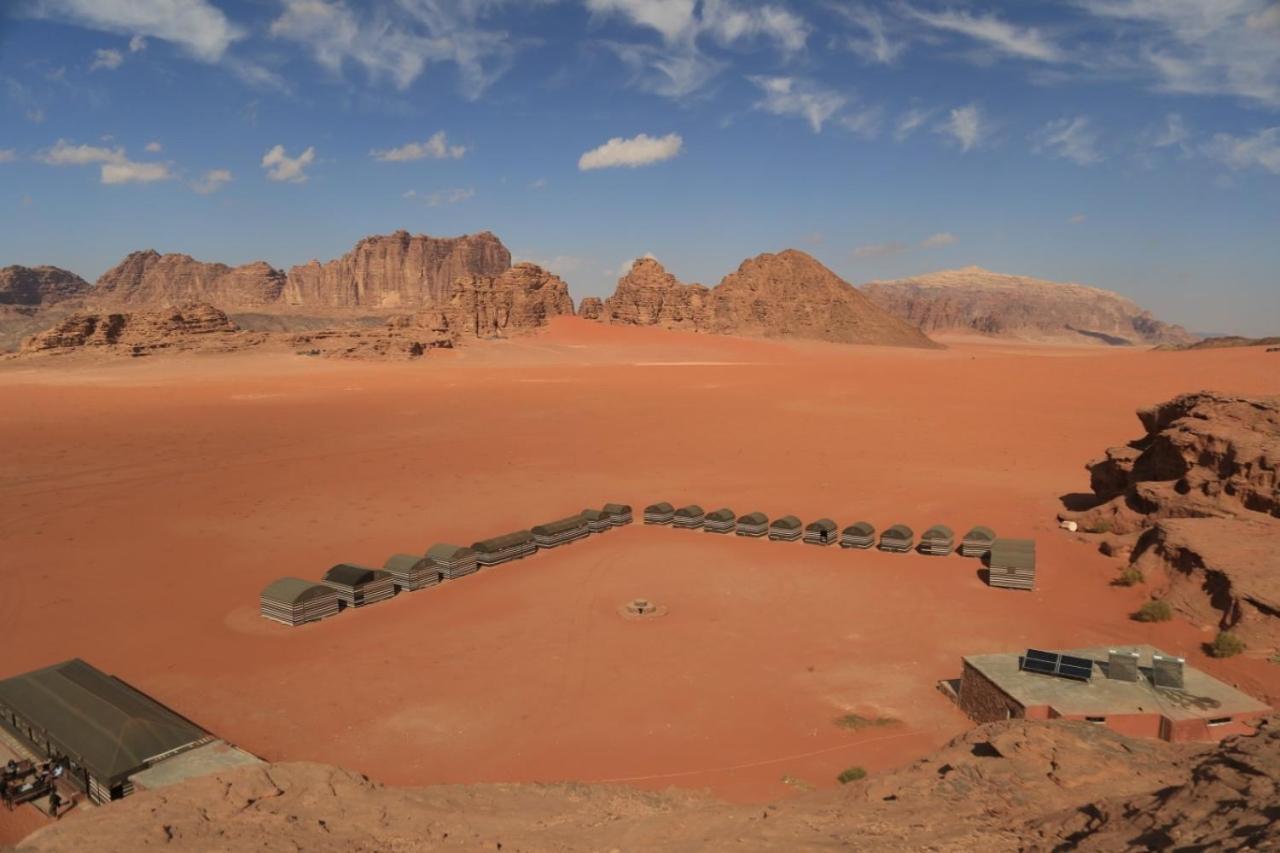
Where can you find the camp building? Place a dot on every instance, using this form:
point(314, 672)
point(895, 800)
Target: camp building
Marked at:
point(107, 730)
point(1134, 690)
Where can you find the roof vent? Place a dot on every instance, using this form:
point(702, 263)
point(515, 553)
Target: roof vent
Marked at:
point(1122, 666)
point(1167, 671)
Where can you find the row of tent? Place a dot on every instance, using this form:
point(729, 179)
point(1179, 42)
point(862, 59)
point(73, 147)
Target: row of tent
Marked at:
point(1011, 561)
point(294, 601)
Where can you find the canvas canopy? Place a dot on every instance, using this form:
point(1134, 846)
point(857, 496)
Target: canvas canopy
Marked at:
point(821, 525)
point(938, 531)
point(862, 528)
point(349, 574)
point(294, 591)
point(447, 553)
point(403, 563)
point(787, 522)
point(556, 527)
point(754, 518)
point(499, 543)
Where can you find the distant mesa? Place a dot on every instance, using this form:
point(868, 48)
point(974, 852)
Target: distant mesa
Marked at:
point(977, 301)
point(38, 286)
point(1225, 342)
point(190, 327)
point(150, 279)
point(784, 295)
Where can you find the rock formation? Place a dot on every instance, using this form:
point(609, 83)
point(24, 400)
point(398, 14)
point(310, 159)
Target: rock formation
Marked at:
point(151, 280)
point(396, 271)
point(39, 285)
point(1015, 785)
point(1197, 500)
point(195, 326)
point(974, 300)
point(591, 308)
point(519, 299)
point(787, 295)
point(648, 295)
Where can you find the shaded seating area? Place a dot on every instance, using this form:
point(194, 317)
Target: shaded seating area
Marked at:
point(293, 601)
point(659, 513)
point(977, 542)
point(597, 520)
point(452, 561)
point(503, 549)
point(410, 572)
point(752, 524)
point(859, 535)
point(786, 529)
point(358, 586)
point(689, 517)
point(619, 514)
point(720, 521)
point(1011, 564)
point(821, 532)
point(560, 532)
point(898, 539)
point(938, 541)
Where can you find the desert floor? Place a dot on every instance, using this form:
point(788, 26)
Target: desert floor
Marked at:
point(144, 504)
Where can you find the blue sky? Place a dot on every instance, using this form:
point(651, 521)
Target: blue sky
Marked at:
point(1130, 144)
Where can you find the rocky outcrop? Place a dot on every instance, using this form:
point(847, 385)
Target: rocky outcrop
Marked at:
point(1016, 785)
point(648, 295)
point(1197, 501)
point(784, 295)
point(38, 286)
point(519, 300)
point(151, 280)
point(183, 328)
point(792, 295)
point(396, 271)
point(403, 338)
point(591, 308)
point(974, 300)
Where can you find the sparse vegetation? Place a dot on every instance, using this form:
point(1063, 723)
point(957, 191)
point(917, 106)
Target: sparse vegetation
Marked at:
point(851, 774)
point(1102, 525)
point(1154, 611)
point(797, 783)
point(1226, 645)
point(857, 721)
point(1130, 577)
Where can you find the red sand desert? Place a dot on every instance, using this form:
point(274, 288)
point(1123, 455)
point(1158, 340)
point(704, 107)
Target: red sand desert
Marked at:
point(144, 504)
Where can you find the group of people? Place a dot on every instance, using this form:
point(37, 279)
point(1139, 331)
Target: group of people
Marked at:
point(24, 781)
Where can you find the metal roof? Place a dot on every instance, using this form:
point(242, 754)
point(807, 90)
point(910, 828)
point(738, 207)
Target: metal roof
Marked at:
point(294, 590)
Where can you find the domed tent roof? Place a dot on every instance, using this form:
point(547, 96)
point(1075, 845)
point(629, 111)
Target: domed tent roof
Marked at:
point(787, 522)
point(294, 591)
point(723, 514)
point(938, 531)
point(753, 518)
point(348, 574)
point(403, 562)
point(899, 531)
point(861, 528)
point(821, 524)
point(446, 553)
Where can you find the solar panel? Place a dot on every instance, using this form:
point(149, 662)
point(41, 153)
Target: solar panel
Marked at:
point(1052, 663)
point(1043, 667)
point(1073, 667)
point(1037, 654)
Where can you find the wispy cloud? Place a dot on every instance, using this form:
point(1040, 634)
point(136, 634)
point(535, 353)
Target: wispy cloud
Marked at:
point(640, 150)
point(106, 60)
point(1073, 139)
point(281, 167)
point(1172, 132)
point(197, 26)
point(1260, 150)
point(936, 241)
point(788, 96)
point(897, 247)
point(965, 125)
point(538, 184)
point(8, 155)
point(875, 40)
point(909, 122)
point(211, 181)
point(153, 147)
point(436, 147)
point(1076, 219)
point(993, 33)
point(437, 198)
point(115, 166)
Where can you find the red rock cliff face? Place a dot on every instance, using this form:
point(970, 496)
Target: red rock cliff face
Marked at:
point(648, 295)
point(39, 285)
point(520, 299)
point(150, 279)
point(196, 326)
point(396, 270)
point(973, 300)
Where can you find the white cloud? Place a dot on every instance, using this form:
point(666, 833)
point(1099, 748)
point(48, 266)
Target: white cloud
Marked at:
point(197, 26)
point(1072, 139)
point(1000, 36)
point(880, 250)
point(128, 172)
point(436, 147)
point(937, 241)
point(115, 166)
point(441, 197)
point(965, 125)
point(107, 59)
point(909, 122)
point(787, 96)
point(1261, 150)
point(640, 150)
point(864, 122)
point(397, 41)
point(1173, 132)
point(877, 42)
point(211, 181)
point(281, 167)
point(1077, 219)
point(8, 155)
point(137, 44)
point(539, 184)
point(154, 147)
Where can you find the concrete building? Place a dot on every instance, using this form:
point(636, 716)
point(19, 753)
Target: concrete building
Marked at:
point(1117, 689)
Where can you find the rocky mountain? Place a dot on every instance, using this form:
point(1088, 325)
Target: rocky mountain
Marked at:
point(397, 270)
point(519, 299)
point(195, 326)
point(1195, 505)
point(974, 300)
point(788, 294)
point(149, 279)
point(1015, 785)
point(32, 286)
point(591, 308)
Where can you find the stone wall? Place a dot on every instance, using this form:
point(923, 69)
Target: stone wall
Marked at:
point(983, 701)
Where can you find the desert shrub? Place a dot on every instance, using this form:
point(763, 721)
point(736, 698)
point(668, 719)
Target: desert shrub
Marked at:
point(857, 721)
point(1101, 525)
point(851, 774)
point(1154, 611)
point(1226, 645)
point(1130, 576)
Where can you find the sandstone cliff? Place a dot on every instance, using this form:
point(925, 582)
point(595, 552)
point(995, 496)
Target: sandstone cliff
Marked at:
point(591, 308)
point(396, 271)
point(1009, 786)
point(1195, 503)
point(151, 280)
point(785, 295)
point(518, 299)
point(974, 300)
point(39, 285)
point(189, 327)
